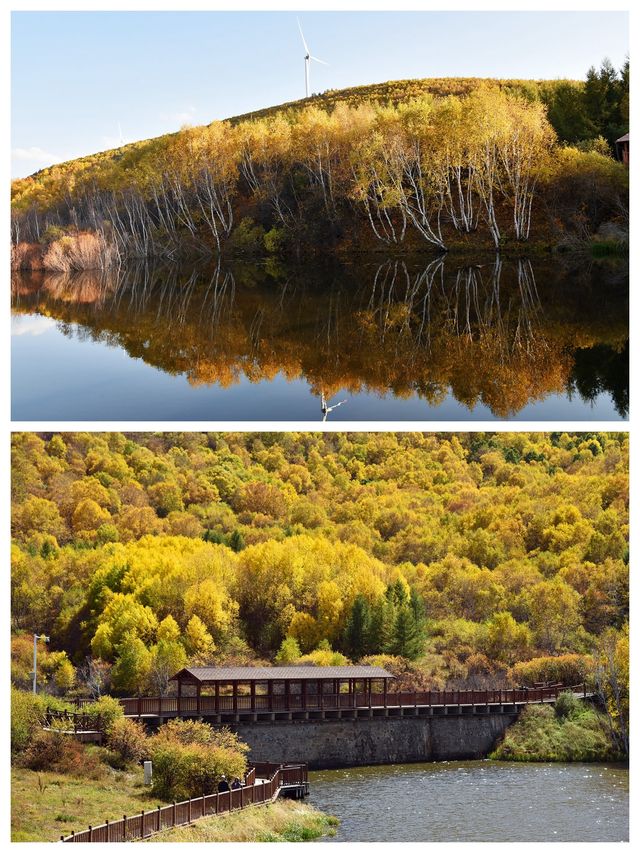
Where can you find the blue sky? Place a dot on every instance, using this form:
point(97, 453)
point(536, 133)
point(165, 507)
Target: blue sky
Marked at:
point(81, 80)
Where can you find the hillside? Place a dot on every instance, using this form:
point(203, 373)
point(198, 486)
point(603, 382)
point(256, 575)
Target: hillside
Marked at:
point(469, 553)
point(392, 93)
point(418, 164)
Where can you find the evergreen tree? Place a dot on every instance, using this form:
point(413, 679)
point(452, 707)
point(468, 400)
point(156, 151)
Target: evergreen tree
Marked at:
point(356, 634)
point(381, 626)
point(236, 541)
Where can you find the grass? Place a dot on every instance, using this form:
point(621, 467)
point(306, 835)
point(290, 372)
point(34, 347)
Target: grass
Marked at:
point(541, 735)
point(46, 805)
point(284, 820)
point(608, 248)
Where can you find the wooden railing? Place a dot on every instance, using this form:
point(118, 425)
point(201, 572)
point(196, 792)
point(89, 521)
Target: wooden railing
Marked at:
point(74, 721)
point(263, 783)
point(204, 705)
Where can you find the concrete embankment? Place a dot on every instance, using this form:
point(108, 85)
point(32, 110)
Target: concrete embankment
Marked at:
point(325, 744)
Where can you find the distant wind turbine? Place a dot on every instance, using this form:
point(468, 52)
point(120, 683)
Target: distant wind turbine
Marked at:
point(307, 61)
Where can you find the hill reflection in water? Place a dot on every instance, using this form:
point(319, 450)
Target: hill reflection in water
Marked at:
point(498, 334)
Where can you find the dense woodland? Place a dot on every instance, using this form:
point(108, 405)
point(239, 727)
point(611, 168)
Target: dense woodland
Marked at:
point(468, 558)
point(417, 164)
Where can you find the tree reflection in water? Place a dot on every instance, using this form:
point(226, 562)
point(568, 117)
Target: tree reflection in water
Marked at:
point(492, 333)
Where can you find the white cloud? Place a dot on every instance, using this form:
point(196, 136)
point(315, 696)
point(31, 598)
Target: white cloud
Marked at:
point(181, 117)
point(36, 155)
point(109, 142)
point(30, 324)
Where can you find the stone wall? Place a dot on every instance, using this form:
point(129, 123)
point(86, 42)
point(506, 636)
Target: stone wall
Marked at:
point(378, 740)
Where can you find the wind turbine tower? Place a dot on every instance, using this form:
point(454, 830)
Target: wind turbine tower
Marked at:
point(307, 61)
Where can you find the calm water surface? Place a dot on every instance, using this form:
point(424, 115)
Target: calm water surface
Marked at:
point(390, 340)
point(476, 801)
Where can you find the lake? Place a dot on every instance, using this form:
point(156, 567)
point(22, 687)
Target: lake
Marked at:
point(372, 340)
point(476, 801)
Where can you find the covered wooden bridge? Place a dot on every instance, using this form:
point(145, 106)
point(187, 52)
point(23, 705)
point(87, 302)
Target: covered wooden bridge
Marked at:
point(278, 688)
point(234, 694)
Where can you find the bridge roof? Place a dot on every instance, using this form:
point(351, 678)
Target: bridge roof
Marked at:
point(277, 673)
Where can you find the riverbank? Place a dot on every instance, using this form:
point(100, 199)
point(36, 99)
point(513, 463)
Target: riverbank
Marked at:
point(576, 733)
point(45, 806)
point(284, 820)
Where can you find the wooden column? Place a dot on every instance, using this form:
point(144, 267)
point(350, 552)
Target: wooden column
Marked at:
point(320, 693)
point(270, 694)
point(198, 691)
point(234, 690)
point(253, 696)
point(304, 694)
point(179, 695)
point(287, 694)
point(217, 696)
point(384, 691)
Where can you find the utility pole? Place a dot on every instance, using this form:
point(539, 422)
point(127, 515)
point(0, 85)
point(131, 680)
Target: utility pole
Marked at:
point(37, 637)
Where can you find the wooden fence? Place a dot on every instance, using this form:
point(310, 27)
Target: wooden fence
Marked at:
point(73, 721)
point(263, 783)
point(203, 705)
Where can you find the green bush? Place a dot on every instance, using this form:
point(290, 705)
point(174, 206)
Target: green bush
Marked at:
point(190, 770)
point(195, 732)
point(27, 717)
point(189, 759)
point(248, 237)
point(274, 240)
point(541, 735)
point(105, 711)
point(567, 705)
point(128, 740)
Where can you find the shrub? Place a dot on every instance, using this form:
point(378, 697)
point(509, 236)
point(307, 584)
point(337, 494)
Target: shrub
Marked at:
point(195, 732)
point(567, 705)
point(248, 237)
point(105, 710)
point(190, 770)
point(540, 735)
point(190, 758)
point(128, 740)
point(564, 669)
point(27, 718)
point(61, 753)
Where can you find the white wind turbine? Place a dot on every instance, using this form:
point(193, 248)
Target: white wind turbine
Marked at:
point(307, 61)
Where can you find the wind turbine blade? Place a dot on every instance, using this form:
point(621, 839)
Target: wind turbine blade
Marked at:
point(302, 35)
point(321, 61)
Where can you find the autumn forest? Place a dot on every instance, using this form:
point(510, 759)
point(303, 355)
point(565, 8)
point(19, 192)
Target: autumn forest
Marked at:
point(436, 164)
point(454, 559)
